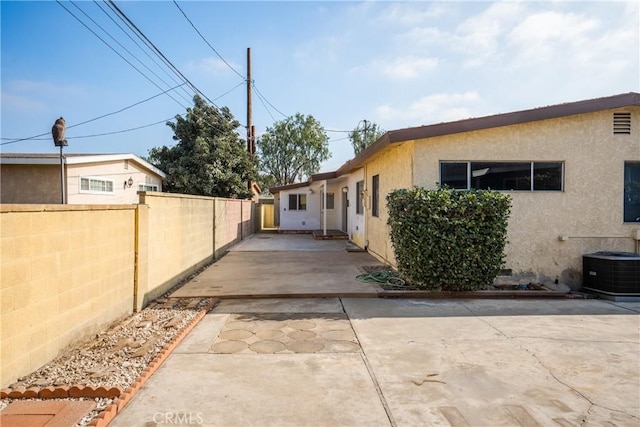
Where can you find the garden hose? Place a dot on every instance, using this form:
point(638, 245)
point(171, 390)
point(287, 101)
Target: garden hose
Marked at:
point(384, 277)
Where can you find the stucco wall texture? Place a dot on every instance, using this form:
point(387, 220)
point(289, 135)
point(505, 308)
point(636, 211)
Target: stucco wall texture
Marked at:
point(40, 184)
point(117, 171)
point(395, 170)
point(67, 271)
point(590, 209)
point(30, 184)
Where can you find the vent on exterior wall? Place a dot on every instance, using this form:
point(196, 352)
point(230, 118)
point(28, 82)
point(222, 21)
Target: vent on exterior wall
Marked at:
point(622, 123)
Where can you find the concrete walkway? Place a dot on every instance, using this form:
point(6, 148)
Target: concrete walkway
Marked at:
point(339, 361)
point(284, 265)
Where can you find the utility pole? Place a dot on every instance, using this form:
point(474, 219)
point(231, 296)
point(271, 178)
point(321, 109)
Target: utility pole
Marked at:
point(365, 132)
point(250, 127)
point(250, 146)
point(58, 132)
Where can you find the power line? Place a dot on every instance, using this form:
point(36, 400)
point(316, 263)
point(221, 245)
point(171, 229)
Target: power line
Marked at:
point(229, 91)
point(124, 130)
point(266, 100)
point(144, 51)
point(36, 137)
point(114, 50)
point(157, 51)
point(207, 42)
point(120, 44)
point(266, 108)
point(126, 108)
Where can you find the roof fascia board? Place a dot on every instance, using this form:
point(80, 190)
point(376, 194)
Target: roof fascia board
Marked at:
point(516, 117)
point(72, 160)
point(487, 122)
point(30, 161)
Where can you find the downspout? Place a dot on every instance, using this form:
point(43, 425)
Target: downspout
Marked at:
point(324, 211)
point(364, 210)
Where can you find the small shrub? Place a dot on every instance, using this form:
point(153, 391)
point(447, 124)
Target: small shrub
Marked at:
point(449, 239)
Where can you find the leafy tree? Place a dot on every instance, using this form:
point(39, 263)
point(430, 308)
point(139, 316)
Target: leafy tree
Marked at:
point(293, 149)
point(363, 136)
point(210, 158)
point(266, 181)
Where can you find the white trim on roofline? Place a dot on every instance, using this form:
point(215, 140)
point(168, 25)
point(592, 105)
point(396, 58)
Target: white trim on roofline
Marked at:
point(71, 159)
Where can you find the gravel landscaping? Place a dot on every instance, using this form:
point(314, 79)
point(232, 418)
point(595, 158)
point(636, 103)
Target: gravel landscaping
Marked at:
point(117, 356)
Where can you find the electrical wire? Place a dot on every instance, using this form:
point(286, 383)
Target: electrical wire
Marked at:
point(120, 44)
point(207, 42)
point(114, 50)
point(36, 137)
point(267, 109)
point(266, 100)
point(153, 47)
point(229, 91)
point(124, 130)
point(144, 51)
point(125, 108)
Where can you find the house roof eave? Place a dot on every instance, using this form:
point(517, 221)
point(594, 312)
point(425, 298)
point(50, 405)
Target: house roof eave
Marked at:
point(487, 122)
point(73, 159)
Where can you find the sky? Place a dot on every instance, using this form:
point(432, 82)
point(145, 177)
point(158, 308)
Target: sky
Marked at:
point(398, 64)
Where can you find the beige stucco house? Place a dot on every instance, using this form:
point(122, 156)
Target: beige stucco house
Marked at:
point(89, 178)
point(572, 171)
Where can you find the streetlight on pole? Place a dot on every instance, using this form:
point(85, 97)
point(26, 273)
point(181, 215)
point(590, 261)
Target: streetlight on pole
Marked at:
point(57, 131)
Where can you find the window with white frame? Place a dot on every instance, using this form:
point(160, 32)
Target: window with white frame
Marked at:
point(297, 202)
point(330, 201)
point(95, 185)
point(147, 187)
point(359, 197)
point(504, 176)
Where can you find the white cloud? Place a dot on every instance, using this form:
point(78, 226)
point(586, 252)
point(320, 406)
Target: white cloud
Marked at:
point(441, 107)
point(407, 67)
point(213, 66)
point(43, 88)
point(480, 37)
point(544, 35)
point(411, 13)
point(580, 46)
point(17, 103)
point(422, 36)
point(319, 52)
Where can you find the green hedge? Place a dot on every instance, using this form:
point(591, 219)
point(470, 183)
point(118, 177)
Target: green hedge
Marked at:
point(449, 239)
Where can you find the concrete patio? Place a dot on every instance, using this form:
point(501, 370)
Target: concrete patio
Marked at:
point(409, 362)
point(386, 362)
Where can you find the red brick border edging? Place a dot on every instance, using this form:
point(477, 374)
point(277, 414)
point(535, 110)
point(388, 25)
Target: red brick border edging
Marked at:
point(109, 413)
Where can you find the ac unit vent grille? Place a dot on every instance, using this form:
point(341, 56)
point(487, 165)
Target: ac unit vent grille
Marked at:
point(622, 123)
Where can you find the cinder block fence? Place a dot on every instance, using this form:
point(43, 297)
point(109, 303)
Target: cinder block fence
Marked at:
point(68, 271)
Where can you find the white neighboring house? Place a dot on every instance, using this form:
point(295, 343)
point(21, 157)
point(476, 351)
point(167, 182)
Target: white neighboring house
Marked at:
point(300, 206)
point(89, 178)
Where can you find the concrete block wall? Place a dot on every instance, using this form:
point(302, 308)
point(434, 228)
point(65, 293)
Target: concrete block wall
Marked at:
point(177, 231)
point(66, 272)
point(233, 222)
